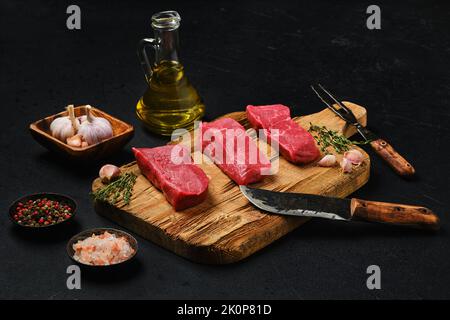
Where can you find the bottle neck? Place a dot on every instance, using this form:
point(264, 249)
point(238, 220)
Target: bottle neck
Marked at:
point(167, 45)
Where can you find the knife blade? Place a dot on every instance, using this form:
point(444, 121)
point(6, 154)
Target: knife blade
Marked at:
point(316, 206)
point(398, 163)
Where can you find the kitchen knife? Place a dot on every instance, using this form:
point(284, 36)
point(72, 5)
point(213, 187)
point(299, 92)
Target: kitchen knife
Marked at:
point(380, 146)
point(308, 205)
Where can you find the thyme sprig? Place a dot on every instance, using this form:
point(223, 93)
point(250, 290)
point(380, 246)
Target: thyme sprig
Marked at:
point(122, 187)
point(328, 138)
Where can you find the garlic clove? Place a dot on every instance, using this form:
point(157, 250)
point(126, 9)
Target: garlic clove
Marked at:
point(109, 173)
point(354, 156)
point(84, 144)
point(74, 141)
point(328, 160)
point(346, 165)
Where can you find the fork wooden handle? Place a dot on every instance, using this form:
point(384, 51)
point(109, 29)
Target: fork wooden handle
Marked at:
point(392, 213)
point(393, 158)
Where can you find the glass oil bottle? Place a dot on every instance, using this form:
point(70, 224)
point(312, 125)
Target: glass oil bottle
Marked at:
point(170, 101)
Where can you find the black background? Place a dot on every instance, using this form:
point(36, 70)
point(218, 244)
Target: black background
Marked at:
point(236, 53)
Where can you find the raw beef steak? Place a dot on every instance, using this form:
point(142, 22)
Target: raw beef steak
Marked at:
point(183, 183)
point(295, 143)
point(240, 159)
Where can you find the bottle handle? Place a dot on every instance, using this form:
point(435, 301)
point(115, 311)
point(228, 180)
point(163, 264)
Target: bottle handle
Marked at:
point(142, 54)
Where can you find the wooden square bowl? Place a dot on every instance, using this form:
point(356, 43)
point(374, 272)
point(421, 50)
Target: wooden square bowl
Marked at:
point(123, 132)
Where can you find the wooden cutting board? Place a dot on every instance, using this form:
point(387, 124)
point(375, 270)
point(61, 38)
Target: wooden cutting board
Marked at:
point(226, 228)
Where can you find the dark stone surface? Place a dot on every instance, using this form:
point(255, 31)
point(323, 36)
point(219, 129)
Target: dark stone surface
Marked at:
point(235, 54)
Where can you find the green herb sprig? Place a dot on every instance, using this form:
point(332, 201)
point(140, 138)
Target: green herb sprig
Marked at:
point(328, 138)
point(122, 187)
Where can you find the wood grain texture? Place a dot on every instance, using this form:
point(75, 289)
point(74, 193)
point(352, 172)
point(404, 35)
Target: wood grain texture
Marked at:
point(226, 228)
point(392, 158)
point(392, 213)
point(123, 132)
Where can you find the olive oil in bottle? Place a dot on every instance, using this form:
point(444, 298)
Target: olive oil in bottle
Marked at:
point(170, 101)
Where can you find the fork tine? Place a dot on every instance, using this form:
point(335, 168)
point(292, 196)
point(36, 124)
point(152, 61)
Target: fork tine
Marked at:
point(323, 100)
point(341, 105)
point(331, 107)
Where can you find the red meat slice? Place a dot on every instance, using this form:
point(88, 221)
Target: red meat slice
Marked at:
point(240, 159)
point(183, 183)
point(295, 143)
point(261, 117)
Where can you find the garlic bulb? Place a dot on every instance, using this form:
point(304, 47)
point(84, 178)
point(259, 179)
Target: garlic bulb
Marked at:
point(94, 129)
point(64, 127)
point(354, 156)
point(327, 161)
point(346, 165)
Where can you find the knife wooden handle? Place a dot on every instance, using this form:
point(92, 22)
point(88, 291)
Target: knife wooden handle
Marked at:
point(392, 213)
point(393, 158)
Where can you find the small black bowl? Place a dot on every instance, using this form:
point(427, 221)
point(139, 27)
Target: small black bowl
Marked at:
point(50, 196)
point(87, 233)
